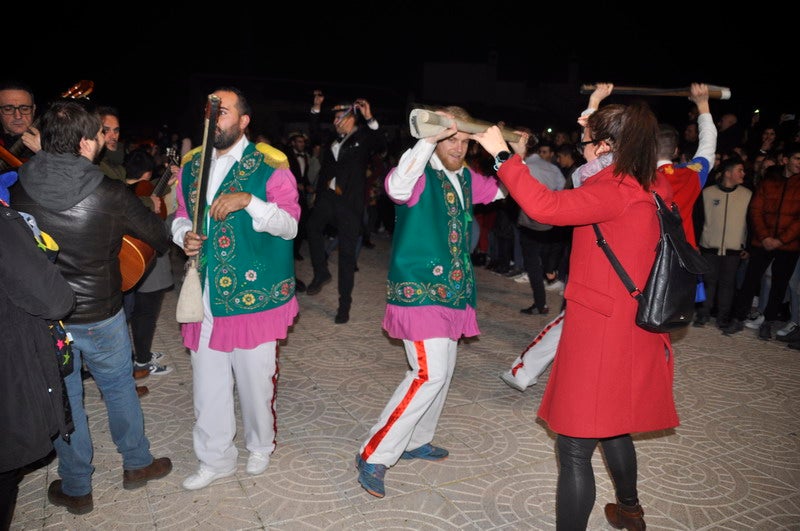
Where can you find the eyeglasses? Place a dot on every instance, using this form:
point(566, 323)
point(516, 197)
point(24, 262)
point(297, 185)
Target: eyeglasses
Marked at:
point(585, 143)
point(11, 109)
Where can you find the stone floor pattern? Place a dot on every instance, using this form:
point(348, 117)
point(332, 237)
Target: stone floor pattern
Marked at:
point(732, 464)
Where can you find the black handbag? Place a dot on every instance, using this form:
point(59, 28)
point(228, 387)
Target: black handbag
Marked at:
point(668, 299)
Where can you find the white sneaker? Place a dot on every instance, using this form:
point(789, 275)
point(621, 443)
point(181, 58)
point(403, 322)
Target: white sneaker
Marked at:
point(556, 285)
point(203, 478)
point(522, 278)
point(788, 329)
point(754, 322)
point(257, 463)
point(509, 379)
point(155, 368)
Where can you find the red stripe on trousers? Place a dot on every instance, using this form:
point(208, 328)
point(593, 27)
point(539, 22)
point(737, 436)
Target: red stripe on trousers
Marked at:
point(538, 338)
point(274, 397)
point(422, 377)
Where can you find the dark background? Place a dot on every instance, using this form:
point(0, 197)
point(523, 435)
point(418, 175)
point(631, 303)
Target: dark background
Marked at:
point(156, 62)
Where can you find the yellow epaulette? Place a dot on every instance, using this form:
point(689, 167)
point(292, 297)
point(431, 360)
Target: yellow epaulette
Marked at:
point(272, 156)
point(186, 158)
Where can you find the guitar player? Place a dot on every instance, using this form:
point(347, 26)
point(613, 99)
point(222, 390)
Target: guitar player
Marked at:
point(17, 111)
point(88, 214)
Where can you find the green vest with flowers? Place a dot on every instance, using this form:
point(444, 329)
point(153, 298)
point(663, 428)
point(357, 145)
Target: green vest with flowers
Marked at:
point(247, 271)
point(430, 261)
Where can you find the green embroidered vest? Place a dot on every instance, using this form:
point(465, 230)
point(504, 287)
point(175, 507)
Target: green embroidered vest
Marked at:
point(248, 271)
point(430, 261)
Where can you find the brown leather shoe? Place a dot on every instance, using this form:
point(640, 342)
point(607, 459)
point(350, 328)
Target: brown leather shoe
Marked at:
point(74, 504)
point(142, 390)
point(138, 374)
point(625, 517)
point(133, 479)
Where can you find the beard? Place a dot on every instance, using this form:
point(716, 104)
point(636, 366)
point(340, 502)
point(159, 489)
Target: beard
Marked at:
point(223, 139)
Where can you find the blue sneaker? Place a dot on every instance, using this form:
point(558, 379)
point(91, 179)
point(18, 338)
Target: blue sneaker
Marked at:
point(428, 452)
point(370, 476)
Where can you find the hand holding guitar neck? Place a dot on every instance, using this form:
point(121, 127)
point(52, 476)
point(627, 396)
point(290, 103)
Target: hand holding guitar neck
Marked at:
point(10, 157)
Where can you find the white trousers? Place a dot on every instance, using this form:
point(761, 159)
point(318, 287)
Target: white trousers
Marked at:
point(538, 354)
point(410, 417)
point(254, 373)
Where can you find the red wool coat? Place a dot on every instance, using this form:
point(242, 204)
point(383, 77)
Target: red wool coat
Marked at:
point(609, 377)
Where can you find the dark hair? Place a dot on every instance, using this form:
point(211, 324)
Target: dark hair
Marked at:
point(790, 149)
point(728, 164)
point(138, 163)
point(242, 105)
point(547, 144)
point(569, 149)
point(631, 132)
point(65, 124)
point(106, 110)
point(16, 85)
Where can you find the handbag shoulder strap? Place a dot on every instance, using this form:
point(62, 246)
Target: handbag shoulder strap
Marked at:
point(633, 291)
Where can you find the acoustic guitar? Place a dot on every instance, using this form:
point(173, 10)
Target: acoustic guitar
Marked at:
point(136, 256)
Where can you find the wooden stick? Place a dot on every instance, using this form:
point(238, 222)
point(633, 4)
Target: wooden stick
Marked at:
point(714, 92)
point(425, 123)
point(209, 128)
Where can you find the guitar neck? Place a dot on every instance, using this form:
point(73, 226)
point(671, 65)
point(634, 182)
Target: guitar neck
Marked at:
point(10, 157)
point(161, 186)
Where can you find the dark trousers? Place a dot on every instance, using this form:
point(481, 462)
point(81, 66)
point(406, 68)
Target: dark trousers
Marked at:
point(720, 285)
point(783, 263)
point(331, 209)
point(143, 320)
point(9, 489)
point(533, 244)
point(576, 492)
point(301, 224)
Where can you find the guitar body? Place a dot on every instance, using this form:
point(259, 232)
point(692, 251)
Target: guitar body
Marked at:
point(135, 256)
point(135, 259)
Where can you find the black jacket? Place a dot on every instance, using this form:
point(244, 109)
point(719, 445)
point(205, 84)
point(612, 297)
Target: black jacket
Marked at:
point(350, 169)
point(32, 291)
point(87, 214)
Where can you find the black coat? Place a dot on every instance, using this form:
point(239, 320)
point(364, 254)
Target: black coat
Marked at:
point(32, 291)
point(90, 235)
point(350, 169)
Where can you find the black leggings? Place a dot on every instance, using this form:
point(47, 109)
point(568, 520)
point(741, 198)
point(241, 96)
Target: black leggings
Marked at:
point(575, 494)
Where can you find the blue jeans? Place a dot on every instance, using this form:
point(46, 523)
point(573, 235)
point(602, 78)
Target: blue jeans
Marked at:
point(105, 347)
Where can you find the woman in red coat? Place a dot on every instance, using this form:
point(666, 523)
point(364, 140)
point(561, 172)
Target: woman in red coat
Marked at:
point(610, 378)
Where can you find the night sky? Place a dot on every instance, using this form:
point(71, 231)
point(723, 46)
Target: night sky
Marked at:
point(154, 61)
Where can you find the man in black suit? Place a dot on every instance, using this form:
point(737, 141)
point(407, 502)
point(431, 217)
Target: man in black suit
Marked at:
point(299, 159)
point(341, 193)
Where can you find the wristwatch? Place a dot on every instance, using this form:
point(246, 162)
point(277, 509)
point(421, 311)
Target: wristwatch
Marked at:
point(500, 158)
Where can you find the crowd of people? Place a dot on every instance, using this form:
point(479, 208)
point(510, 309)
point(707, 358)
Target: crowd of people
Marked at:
point(521, 205)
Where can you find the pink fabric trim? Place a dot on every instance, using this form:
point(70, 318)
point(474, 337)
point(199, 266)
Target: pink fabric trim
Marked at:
point(417, 323)
point(244, 331)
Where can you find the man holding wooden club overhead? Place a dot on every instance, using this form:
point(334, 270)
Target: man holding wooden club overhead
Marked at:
point(430, 292)
point(244, 247)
